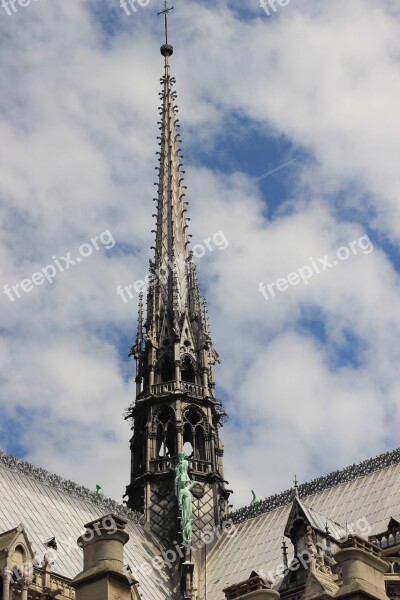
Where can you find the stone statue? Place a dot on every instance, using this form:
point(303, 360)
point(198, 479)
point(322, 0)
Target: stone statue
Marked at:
point(183, 485)
point(181, 473)
point(185, 504)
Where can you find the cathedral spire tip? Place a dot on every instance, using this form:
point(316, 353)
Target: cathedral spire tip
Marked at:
point(166, 49)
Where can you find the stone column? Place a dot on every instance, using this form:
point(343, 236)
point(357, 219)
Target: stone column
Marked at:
point(177, 373)
point(151, 376)
point(25, 588)
point(205, 377)
point(179, 438)
point(6, 584)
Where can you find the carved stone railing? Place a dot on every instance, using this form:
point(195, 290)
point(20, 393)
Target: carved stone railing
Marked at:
point(200, 466)
point(394, 568)
point(170, 387)
point(354, 541)
point(387, 539)
point(245, 587)
point(162, 465)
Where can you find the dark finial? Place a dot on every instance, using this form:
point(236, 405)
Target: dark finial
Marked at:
point(166, 49)
point(327, 529)
point(285, 552)
point(296, 487)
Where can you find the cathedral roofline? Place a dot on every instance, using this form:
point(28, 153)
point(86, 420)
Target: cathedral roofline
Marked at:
point(354, 471)
point(79, 491)
point(319, 484)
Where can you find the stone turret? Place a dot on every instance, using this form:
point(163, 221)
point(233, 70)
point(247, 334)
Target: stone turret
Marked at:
point(363, 570)
point(104, 576)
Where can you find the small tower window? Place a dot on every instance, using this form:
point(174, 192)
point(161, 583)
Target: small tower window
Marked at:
point(166, 434)
point(200, 444)
point(167, 370)
point(188, 441)
point(188, 374)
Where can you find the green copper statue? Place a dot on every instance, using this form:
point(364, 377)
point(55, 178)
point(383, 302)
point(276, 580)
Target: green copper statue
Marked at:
point(183, 485)
point(256, 499)
point(181, 472)
point(185, 504)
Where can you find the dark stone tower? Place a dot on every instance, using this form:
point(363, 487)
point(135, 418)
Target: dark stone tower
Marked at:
point(175, 408)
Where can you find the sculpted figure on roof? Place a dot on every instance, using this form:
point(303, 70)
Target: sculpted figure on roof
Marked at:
point(183, 485)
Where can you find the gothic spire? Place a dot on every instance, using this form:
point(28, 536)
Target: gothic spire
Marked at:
point(175, 402)
point(174, 292)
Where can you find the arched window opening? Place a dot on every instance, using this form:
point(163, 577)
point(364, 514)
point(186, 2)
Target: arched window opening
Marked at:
point(170, 440)
point(138, 445)
point(200, 444)
point(167, 370)
point(188, 441)
point(188, 373)
point(166, 434)
point(160, 444)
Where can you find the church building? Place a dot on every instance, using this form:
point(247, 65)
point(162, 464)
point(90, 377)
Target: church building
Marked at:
point(174, 537)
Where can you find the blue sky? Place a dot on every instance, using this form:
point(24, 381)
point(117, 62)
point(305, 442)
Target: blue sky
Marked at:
point(309, 376)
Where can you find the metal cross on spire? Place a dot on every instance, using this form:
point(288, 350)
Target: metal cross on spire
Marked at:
point(165, 13)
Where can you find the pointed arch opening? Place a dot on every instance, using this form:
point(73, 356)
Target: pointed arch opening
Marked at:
point(187, 372)
point(167, 369)
point(165, 434)
point(188, 441)
point(200, 444)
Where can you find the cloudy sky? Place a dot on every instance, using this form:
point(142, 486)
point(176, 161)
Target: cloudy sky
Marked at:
point(310, 372)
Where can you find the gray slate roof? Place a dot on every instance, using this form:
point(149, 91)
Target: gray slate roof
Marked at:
point(49, 506)
point(320, 522)
point(372, 493)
